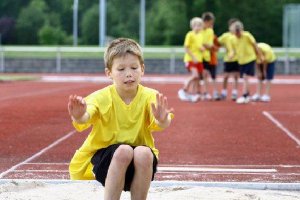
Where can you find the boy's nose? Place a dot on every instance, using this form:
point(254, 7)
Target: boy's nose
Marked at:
point(128, 73)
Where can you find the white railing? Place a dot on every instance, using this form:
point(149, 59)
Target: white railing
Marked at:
point(170, 51)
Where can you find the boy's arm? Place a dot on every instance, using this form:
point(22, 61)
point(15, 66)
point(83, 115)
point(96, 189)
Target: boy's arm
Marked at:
point(77, 109)
point(188, 51)
point(161, 111)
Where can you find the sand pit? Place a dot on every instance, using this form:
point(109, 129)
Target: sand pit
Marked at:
point(36, 190)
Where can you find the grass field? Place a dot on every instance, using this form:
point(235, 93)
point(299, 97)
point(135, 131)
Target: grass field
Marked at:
point(165, 53)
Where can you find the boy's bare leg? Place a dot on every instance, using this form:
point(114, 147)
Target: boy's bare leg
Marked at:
point(268, 86)
point(225, 80)
point(246, 84)
point(205, 81)
point(143, 167)
point(115, 180)
point(259, 87)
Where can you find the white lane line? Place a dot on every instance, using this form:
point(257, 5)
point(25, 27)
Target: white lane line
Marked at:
point(41, 163)
point(148, 79)
point(279, 125)
point(45, 91)
point(41, 171)
point(198, 169)
point(201, 166)
point(38, 153)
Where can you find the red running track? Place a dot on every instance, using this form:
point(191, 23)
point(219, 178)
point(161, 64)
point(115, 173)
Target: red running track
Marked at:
point(208, 141)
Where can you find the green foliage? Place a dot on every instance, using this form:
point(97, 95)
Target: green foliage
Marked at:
point(167, 21)
point(165, 26)
point(30, 20)
point(49, 35)
point(89, 26)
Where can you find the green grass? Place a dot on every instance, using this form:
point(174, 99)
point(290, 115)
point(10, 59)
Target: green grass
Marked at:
point(18, 78)
point(99, 55)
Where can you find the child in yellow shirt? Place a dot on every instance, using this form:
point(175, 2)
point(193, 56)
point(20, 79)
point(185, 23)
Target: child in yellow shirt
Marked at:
point(119, 152)
point(247, 52)
point(265, 72)
point(193, 60)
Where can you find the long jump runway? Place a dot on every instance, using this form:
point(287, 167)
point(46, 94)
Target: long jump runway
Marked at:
point(207, 141)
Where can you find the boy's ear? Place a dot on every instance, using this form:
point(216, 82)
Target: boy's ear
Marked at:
point(108, 73)
point(143, 69)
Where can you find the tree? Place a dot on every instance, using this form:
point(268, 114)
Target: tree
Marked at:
point(49, 35)
point(164, 26)
point(89, 26)
point(7, 25)
point(30, 20)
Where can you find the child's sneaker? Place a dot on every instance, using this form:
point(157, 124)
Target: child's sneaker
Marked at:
point(194, 97)
point(223, 96)
point(255, 97)
point(234, 96)
point(206, 96)
point(216, 96)
point(265, 98)
point(182, 95)
point(243, 100)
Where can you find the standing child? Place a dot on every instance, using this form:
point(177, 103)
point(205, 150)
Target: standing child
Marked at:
point(231, 66)
point(119, 152)
point(208, 40)
point(193, 44)
point(265, 71)
point(247, 53)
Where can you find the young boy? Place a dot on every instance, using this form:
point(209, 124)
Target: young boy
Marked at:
point(193, 44)
point(231, 66)
point(265, 71)
point(119, 152)
point(208, 40)
point(247, 53)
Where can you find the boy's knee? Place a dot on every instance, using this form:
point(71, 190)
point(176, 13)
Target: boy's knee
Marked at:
point(123, 154)
point(143, 157)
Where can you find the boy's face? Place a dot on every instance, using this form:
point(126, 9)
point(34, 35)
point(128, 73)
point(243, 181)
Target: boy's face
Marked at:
point(197, 27)
point(208, 24)
point(126, 73)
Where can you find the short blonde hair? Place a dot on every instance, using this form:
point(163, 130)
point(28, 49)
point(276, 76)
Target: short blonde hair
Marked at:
point(196, 20)
point(237, 26)
point(120, 47)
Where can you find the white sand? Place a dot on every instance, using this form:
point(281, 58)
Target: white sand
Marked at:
point(37, 190)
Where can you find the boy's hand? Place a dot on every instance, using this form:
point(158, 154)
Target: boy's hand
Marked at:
point(76, 107)
point(161, 110)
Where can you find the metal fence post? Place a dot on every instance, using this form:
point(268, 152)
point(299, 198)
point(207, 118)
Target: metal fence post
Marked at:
point(172, 60)
point(58, 60)
point(286, 62)
point(2, 67)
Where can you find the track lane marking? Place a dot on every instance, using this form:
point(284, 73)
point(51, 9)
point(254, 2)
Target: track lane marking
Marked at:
point(150, 79)
point(48, 91)
point(283, 128)
point(13, 168)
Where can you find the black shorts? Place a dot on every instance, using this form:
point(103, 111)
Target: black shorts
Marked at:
point(101, 161)
point(248, 69)
point(211, 69)
point(270, 71)
point(230, 67)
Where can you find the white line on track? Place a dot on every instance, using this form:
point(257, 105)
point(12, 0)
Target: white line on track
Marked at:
point(148, 79)
point(46, 91)
point(38, 153)
point(284, 129)
point(41, 171)
point(198, 169)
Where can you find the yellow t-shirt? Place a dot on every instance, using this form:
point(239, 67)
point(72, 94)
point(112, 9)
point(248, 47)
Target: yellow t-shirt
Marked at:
point(228, 42)
point(193, 41)
point(208, 38)
point(267, 52)
point(114, 122)
point(244, 48)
